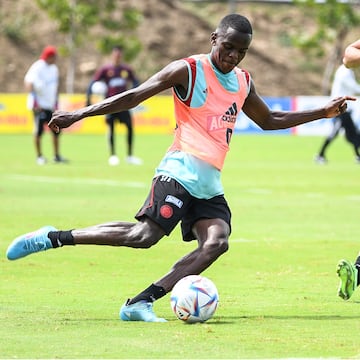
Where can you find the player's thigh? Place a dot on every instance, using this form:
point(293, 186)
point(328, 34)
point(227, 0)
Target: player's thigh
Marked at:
point(206, 209)
point(41, 118)
point(125, 118)
point(167, 203)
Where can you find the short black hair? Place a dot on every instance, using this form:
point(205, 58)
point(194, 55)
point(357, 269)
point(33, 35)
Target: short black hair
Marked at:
point(118, 47)
point(237, 22)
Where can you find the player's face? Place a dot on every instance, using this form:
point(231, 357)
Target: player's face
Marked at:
point(228, 48)
point(51, 59)
point(116, 56)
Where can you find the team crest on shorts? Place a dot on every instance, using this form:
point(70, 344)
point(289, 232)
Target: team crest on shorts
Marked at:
point(166, 211)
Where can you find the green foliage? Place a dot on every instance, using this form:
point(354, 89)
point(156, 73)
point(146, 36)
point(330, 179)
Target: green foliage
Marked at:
point(131, 45)
point(78, 17)
point(14, 29)
point(333, 19)
point(121, 33)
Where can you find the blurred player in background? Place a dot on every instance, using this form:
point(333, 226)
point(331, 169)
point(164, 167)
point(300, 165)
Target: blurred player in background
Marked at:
point(42, 83)
point(348, 272)
point(118, 77)
point(344, 83)
point(209, 91)
point(352, 55)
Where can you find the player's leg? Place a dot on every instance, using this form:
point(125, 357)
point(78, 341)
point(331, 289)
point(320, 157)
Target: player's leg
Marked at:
point(167, 203)
point(153, 222)
point(212, 235)
point(110, 123)
point(38, 132)
point(110, 134)
point(320, 158)
point(142, 234)
point(126, 118)
point(351, 133)
point(349, 277)
point(55, 142)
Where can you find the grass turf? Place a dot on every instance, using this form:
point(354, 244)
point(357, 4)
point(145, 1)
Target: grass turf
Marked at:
point(292, 221)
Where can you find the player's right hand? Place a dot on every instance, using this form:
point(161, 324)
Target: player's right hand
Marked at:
point(61, 119)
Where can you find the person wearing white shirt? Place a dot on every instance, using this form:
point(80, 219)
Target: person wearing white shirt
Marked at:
point(42, 83)
point(344, 83)
point(347, 271)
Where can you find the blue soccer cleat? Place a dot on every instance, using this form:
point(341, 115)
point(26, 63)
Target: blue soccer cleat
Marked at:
point(30, 243)
point(140, 311)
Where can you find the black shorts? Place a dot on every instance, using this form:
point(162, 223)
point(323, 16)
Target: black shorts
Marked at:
point(42, 118)
point(351, 133)
point(124, 117)
point(169, 202)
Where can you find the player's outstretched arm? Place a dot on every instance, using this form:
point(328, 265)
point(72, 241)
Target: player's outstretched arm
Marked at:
point(174, 74)
point(257, 110)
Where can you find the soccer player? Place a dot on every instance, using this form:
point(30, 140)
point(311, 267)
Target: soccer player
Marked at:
point(352, 55)
point(42, 82)
point(344, 83)
point(118, 77)
point(209, 91)
point(349, 273)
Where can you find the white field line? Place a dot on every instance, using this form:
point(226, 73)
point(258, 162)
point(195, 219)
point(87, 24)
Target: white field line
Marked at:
point(353, 197)
point(314, 195)
point(240, 240)
point(80, 181)
point(137, 184)
point(259, 191)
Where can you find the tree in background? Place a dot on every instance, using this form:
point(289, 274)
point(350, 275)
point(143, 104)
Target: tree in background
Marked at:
point(334, 21)
point(76, 19)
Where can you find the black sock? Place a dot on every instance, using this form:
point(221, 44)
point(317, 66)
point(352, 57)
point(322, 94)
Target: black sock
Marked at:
point(61, 238)
point(357, 261)
point(152, 293)
point(357, 264)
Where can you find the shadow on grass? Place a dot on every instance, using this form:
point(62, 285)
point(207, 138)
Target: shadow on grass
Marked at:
point(289, 317)
point(235, 319)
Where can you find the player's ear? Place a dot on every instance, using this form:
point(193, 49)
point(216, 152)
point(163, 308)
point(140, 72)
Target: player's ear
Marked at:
point(213, 37)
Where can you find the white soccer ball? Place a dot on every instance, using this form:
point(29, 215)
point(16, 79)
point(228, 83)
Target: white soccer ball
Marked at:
point(99, 88)
point(194, 299)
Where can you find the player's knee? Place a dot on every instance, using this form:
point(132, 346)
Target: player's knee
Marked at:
point(213, 249)
point(223, 245)
point(146, 242)
point(143, 236)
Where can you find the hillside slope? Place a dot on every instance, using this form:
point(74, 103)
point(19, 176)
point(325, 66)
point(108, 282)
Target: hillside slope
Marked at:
point(170, 30)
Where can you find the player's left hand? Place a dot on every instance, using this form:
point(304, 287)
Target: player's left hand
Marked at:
point(337, 106)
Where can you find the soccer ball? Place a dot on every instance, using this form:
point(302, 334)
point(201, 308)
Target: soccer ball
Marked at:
point(194, 298)
point(99, 88)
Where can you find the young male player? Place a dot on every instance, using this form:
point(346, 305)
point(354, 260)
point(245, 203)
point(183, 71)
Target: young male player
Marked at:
point(209, 91)
point(349, 273)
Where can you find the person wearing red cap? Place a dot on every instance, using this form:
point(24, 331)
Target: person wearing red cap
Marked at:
point(42, 83)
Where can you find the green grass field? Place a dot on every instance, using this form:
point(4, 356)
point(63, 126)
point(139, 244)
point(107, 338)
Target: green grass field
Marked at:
point(292, 221)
